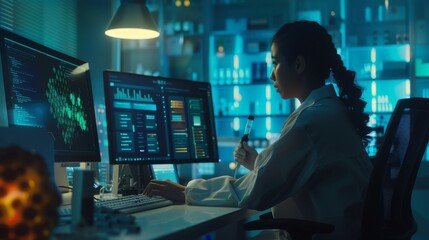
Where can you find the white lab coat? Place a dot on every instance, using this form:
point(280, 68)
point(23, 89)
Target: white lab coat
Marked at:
point(317, 170)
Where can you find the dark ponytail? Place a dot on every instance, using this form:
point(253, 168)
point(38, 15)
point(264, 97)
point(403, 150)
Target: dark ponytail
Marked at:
point(310, 40)
point(350, 94)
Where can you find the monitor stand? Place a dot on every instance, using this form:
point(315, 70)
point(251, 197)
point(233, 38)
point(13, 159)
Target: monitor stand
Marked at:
point(140, 174)
point(115, 179)
point(60, 173)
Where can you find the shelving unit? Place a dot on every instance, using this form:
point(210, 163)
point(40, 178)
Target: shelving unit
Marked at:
point(379, 45)
point(240, 68)
point(180, 50)
point(184, 33)
point(227, 42)
point(420, 37)
point(420, 53)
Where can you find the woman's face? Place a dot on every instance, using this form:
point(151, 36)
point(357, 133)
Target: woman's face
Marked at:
point(284, 75)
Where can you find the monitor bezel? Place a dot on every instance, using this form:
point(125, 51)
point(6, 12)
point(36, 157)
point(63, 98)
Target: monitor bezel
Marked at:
point(60, 156)
point(214, 157)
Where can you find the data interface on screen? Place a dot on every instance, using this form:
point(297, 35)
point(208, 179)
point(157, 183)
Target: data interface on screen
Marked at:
point(159, 120)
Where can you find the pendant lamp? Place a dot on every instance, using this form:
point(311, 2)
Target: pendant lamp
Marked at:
point(132, 20)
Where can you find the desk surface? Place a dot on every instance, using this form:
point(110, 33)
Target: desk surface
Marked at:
point(187, 222)
point(181, 222)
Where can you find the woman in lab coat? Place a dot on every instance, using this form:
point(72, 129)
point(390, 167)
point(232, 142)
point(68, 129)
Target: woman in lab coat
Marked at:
point(318, 168)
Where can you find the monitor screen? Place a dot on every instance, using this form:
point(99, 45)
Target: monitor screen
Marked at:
point(165, 172)
point(44, 88)
point(159, 120)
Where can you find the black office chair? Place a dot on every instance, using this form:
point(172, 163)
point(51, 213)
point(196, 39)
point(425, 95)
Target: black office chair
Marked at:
point(387, 212)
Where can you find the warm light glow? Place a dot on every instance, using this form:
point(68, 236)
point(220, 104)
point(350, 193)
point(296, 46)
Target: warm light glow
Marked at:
point(268, 92)
point(80, 69)
point(237, 95)
point(220, 51)
point(373, 71)
point(373, 104)
point(178, 3)
point(373, 88)
point(236, 61)
point(131, 33)
point(187, 3)
point(407, 53)
point(232, 165)
point(235, 75)
point(373, 55)
point(407, 87)
point(268, 107)
point(268, 123)
point(236, 125)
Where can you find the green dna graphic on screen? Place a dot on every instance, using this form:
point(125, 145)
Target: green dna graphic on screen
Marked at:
point(65, 106)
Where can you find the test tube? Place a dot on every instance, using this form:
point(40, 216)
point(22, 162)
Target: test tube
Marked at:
point(247, 129)
point(245, 137)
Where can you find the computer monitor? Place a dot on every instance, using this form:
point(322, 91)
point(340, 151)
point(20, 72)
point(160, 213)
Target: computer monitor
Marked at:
point(44, 88)
point(158, 120)
point(165, 172)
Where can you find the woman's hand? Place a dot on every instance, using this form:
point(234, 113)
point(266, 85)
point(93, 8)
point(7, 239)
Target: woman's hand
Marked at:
point(245, 155)
point(167, 189)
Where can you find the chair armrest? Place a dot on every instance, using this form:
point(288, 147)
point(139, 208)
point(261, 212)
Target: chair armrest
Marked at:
point(266, 216)
point(295, 227)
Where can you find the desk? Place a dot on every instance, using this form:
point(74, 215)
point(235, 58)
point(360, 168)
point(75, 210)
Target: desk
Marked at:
point(186, 222)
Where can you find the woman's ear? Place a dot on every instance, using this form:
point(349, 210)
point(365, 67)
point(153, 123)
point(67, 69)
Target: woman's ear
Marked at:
point(300, 64)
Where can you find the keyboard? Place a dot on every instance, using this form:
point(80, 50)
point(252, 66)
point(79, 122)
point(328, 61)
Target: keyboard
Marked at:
point(64, 212)
point(134, 203)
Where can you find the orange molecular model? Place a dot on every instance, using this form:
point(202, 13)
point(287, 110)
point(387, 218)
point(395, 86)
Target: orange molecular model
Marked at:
point(28, 197)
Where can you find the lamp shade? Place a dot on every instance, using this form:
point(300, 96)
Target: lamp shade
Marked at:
point(132, 20)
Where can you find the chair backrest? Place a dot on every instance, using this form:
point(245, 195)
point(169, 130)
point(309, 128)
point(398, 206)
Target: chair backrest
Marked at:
point(387, 211)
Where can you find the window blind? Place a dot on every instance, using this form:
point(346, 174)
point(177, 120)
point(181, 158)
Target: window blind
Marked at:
point(52, 23)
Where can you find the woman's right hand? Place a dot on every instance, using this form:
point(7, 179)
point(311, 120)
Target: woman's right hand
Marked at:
point(245, 155)
point(167, 189)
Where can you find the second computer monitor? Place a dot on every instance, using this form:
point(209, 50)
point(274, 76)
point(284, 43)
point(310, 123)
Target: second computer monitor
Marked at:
point(153, 120)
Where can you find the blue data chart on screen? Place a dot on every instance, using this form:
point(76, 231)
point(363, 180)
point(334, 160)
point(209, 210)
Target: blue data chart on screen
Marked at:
point(137, 121)
point(158, 119)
